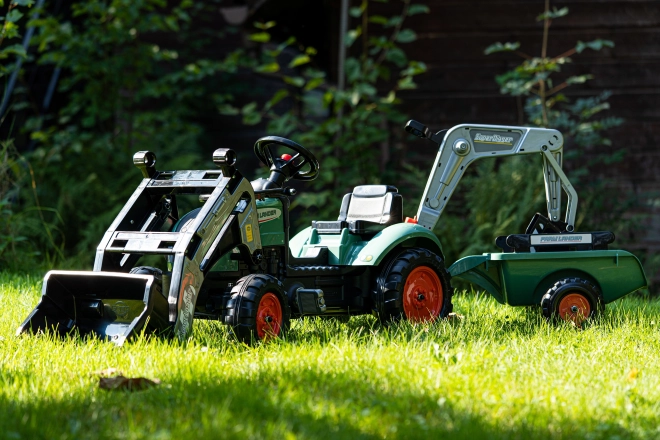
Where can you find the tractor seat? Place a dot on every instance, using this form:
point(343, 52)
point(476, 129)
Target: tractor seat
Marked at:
point(367, 210)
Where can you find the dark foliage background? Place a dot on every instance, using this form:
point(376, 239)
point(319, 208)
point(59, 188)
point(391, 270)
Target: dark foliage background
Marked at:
point(174, 78)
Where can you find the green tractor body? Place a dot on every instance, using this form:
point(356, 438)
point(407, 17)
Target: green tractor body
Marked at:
point(346, 248)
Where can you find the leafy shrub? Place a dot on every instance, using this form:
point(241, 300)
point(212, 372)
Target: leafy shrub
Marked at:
point(17, 251)
point(350, 129)
point(124, 93)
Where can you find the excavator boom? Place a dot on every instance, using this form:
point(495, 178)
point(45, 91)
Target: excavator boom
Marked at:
point(463, 144)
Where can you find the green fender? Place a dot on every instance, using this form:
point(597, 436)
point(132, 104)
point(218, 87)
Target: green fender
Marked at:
point(401, 234)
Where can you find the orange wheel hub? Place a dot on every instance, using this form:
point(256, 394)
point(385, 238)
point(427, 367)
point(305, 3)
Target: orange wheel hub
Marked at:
point(422, 295)
point(269, 316)
point(574, 307)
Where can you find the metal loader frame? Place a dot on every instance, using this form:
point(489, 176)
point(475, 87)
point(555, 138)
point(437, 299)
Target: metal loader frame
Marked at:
point(227, 220)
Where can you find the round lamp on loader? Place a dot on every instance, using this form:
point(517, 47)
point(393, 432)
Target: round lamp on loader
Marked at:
point(225, 158)
point(145, 161)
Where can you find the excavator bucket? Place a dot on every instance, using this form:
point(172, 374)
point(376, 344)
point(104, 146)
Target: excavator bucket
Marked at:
point(110, 305)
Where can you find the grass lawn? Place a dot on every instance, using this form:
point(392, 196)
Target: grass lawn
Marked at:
point(501, 372)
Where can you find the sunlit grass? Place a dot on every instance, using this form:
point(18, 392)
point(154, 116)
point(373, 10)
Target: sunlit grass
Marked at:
point(500, 372)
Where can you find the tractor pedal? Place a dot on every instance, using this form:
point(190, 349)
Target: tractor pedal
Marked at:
point(310, 301)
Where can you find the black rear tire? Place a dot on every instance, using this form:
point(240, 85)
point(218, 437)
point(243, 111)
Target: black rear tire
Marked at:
point(414, 285)
point(573, 300)
point(257, 309)
point(157, 274)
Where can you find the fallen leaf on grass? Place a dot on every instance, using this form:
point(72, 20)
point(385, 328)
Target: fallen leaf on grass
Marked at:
point(113, 379)
point(455, 316)
point(127, 383)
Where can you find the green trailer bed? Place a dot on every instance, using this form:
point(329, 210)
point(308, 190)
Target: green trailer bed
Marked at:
point(522, 279)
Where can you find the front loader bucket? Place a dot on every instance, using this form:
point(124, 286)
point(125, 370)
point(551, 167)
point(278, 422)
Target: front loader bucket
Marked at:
point(111, 305)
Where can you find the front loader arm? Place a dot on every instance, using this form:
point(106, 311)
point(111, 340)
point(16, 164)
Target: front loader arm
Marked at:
point(463, 144)
point(227, 220)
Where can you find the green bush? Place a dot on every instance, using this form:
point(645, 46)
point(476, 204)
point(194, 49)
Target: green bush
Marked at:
point(123, 93)
point(351, 130)
point(23, 232)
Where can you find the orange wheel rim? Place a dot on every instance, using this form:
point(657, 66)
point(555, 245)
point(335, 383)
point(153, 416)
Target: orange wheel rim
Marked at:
point(422, 295)
point(269, 316)
point(574, 307)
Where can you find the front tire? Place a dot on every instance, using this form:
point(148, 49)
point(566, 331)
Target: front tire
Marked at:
point(572, 300)
point(415, 286)
point(257, 310)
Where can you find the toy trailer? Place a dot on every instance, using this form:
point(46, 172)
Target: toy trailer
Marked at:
point(570, 274)
point(569, 284)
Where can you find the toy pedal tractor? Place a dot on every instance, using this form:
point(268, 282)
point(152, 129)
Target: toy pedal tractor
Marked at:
point(232, 259)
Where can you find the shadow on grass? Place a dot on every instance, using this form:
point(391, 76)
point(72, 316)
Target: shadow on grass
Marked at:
point(289, 404)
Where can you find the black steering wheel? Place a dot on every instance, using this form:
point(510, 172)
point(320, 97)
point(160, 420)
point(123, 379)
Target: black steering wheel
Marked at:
point(289, 166)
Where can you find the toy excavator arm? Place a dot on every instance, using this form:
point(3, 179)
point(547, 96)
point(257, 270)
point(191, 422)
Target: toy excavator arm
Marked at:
point(463, 144)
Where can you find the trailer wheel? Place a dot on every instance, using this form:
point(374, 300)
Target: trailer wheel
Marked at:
point(414, 286)
point(256, 310)
point(573, 300)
